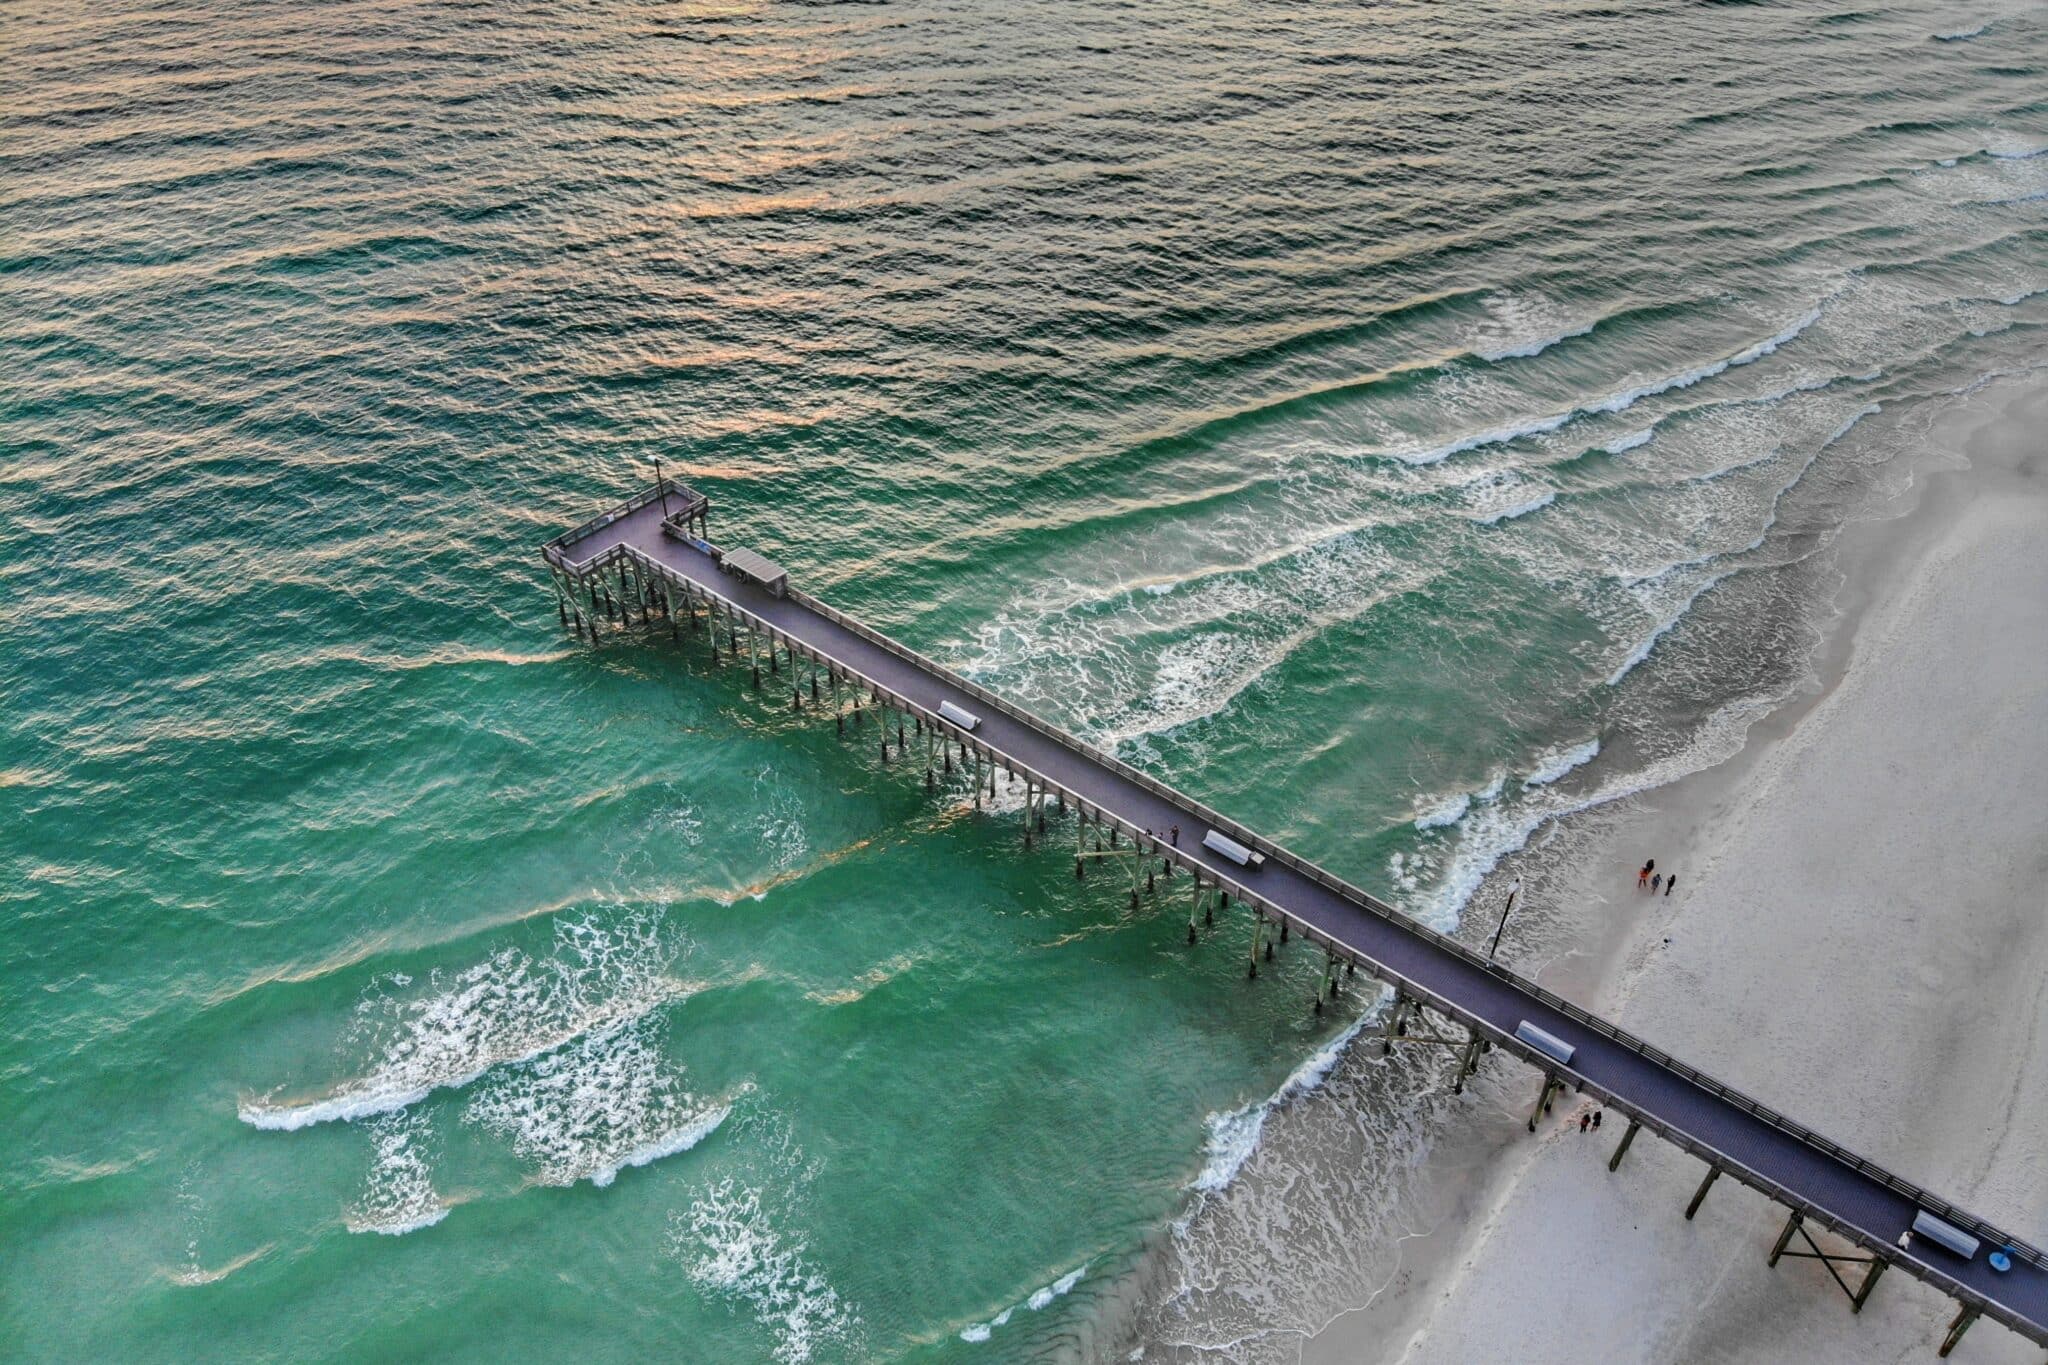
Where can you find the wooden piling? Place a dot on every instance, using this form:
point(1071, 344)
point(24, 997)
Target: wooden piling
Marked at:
point(1699, 1196)
point(1621, 1149)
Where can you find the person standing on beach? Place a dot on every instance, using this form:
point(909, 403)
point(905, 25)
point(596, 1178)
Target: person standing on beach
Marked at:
point(1656, 883)
point(1670, 882)
point(1643, 877)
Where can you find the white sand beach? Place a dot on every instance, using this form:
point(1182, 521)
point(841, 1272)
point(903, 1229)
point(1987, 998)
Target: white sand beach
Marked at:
point(1859, 937)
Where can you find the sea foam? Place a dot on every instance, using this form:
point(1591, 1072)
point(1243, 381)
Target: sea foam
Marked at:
point(596, 1106)
point(503, 1011)
point(731, 1247)
point(398, 1196)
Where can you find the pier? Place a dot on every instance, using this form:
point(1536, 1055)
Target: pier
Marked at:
point(649, 563)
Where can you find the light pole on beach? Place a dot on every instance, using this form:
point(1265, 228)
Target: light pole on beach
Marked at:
point(1505, 911)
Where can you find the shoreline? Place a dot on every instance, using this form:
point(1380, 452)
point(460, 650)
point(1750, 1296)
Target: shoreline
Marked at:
point(1455, 1291)
point(1266, 1275)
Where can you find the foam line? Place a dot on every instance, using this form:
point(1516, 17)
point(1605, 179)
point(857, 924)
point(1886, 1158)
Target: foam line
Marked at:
point(1554, 765)
point(1649, 642)
point(1522, 509)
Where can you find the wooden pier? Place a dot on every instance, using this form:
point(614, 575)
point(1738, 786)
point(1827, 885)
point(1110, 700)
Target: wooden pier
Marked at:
point(649, 562)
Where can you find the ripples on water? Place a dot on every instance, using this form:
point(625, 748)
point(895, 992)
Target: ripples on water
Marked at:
point(1403, 425)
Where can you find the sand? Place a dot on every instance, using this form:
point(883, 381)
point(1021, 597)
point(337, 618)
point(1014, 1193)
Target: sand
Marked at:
point(1860, 937)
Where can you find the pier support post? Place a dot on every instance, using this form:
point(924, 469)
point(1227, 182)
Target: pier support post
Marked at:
point(1621, 1148)
point(1795, 1226)
point(1956, 1329)
point(1877, 1268)
point(1468, 1061)
point(1258, 936)
point(1551, 1085)
point(1699, 1196)
point(1397, 1024)
point(1791, 1226)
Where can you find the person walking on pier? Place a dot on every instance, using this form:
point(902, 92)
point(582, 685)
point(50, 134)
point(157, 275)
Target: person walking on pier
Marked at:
point(1176, 836)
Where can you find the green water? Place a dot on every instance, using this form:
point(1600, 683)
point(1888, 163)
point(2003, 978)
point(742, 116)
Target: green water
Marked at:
point(1401, 428)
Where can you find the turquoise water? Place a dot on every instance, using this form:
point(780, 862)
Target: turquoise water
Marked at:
point(1402, 427)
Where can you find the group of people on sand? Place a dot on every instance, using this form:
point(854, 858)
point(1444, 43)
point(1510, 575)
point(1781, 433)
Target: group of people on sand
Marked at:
point(1589, 1120)
point(1653, 881)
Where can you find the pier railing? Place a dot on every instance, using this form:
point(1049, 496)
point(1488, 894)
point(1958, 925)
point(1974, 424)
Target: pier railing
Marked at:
point(554, 549)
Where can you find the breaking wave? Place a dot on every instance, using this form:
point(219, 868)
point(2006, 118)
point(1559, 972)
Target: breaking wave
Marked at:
point(1648, 643)
point(503, 1011)
point(1618, 401)
point(1038, 1300)
point(1234, 1135)
point(1557, 762)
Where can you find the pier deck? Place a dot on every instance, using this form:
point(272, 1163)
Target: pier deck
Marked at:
point(1814, 1178)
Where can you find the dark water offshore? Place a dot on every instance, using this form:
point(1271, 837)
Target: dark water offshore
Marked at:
point(1401, 425)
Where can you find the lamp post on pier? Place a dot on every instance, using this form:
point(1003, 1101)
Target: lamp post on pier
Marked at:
point(661, 487)
point(1505, 911)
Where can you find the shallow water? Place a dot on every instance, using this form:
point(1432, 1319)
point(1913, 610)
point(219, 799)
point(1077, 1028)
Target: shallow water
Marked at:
point(1401, 427)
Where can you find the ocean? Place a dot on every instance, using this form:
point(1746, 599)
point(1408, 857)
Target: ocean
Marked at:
point(1402, 426)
